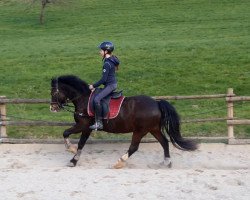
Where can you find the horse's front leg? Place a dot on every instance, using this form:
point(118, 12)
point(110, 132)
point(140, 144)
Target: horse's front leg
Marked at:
point(69, 146)
point(77, 128)
point(84, 137)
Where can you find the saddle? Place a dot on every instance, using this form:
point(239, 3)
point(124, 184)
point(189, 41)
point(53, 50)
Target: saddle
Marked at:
point(110, 105)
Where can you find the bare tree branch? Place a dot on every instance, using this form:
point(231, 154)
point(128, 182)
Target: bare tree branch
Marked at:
point(44, 4)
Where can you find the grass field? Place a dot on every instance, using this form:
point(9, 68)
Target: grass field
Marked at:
point(166, 47)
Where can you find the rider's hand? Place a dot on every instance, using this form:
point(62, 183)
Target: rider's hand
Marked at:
point(91, 87)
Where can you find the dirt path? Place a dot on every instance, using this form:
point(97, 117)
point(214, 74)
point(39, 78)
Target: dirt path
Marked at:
point(39, 171)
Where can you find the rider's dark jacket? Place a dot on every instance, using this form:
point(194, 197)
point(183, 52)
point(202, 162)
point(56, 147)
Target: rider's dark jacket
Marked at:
point(108, 72)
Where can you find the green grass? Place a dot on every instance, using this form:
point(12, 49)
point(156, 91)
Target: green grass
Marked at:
point(166, 47)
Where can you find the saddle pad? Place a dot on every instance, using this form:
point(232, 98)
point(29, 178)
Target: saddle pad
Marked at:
point(114, 107)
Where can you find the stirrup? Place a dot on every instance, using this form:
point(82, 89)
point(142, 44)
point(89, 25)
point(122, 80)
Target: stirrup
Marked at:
point(96, 126)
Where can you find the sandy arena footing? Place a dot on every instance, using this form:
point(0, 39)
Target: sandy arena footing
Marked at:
point(39, 171)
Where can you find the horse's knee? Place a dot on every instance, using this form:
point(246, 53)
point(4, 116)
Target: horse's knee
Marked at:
point(66, 134)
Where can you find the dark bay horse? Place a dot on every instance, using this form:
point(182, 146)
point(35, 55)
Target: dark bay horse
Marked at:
point(138, 114)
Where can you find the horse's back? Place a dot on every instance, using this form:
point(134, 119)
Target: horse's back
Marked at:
point(143, 102)
point(137, 113)
point(141, 107)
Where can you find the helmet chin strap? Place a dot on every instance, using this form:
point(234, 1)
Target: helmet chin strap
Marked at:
point(104, 55)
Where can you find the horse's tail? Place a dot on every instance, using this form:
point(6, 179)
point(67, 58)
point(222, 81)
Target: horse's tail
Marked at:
point(170, 121)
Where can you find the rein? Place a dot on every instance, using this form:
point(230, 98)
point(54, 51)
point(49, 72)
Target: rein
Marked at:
point(77, 113)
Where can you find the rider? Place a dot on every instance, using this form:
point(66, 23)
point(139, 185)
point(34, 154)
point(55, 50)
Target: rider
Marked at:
point(108, 79)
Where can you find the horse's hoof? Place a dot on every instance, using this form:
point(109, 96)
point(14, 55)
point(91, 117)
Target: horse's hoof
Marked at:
point(70, 164)
point(119, 165)
point(166, 164)
point(169, 165)
point(72, 149)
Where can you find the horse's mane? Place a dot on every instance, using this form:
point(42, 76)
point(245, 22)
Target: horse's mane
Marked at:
point(72, 81)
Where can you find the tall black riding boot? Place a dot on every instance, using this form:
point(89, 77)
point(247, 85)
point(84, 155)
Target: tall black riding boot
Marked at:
point(98, 118)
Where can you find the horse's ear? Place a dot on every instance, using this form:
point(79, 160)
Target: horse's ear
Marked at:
point(53, 80)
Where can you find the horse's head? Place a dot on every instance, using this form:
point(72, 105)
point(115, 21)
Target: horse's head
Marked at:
point(67, 88)
point(58, 96)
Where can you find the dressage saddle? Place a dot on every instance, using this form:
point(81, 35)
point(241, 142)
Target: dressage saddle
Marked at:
point(113, 100)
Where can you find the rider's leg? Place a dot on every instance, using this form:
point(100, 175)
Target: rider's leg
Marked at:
point(98, 108)
point(98, 118)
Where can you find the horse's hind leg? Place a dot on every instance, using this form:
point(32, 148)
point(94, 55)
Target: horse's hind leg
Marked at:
point(136, 139)
point(164, 143)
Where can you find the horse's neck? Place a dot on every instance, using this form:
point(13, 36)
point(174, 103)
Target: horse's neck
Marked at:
point(81, 103)
point(80, 100)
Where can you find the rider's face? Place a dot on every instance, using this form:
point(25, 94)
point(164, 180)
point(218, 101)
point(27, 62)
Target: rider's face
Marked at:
point(101, 53)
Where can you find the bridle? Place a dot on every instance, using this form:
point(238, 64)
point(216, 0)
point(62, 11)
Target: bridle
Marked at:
point(65, 105)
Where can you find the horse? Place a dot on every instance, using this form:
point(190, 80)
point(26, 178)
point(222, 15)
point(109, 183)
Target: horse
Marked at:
point(138, 115)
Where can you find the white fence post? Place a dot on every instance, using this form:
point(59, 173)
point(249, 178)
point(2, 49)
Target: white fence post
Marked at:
point(3, 132)
point(230, 114)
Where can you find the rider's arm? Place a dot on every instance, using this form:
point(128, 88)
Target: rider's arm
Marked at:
point(105, 72)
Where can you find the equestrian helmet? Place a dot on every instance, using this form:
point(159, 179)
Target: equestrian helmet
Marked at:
point(107, 46)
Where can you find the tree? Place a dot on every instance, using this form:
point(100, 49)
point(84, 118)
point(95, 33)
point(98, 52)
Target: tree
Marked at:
point(44, 3)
